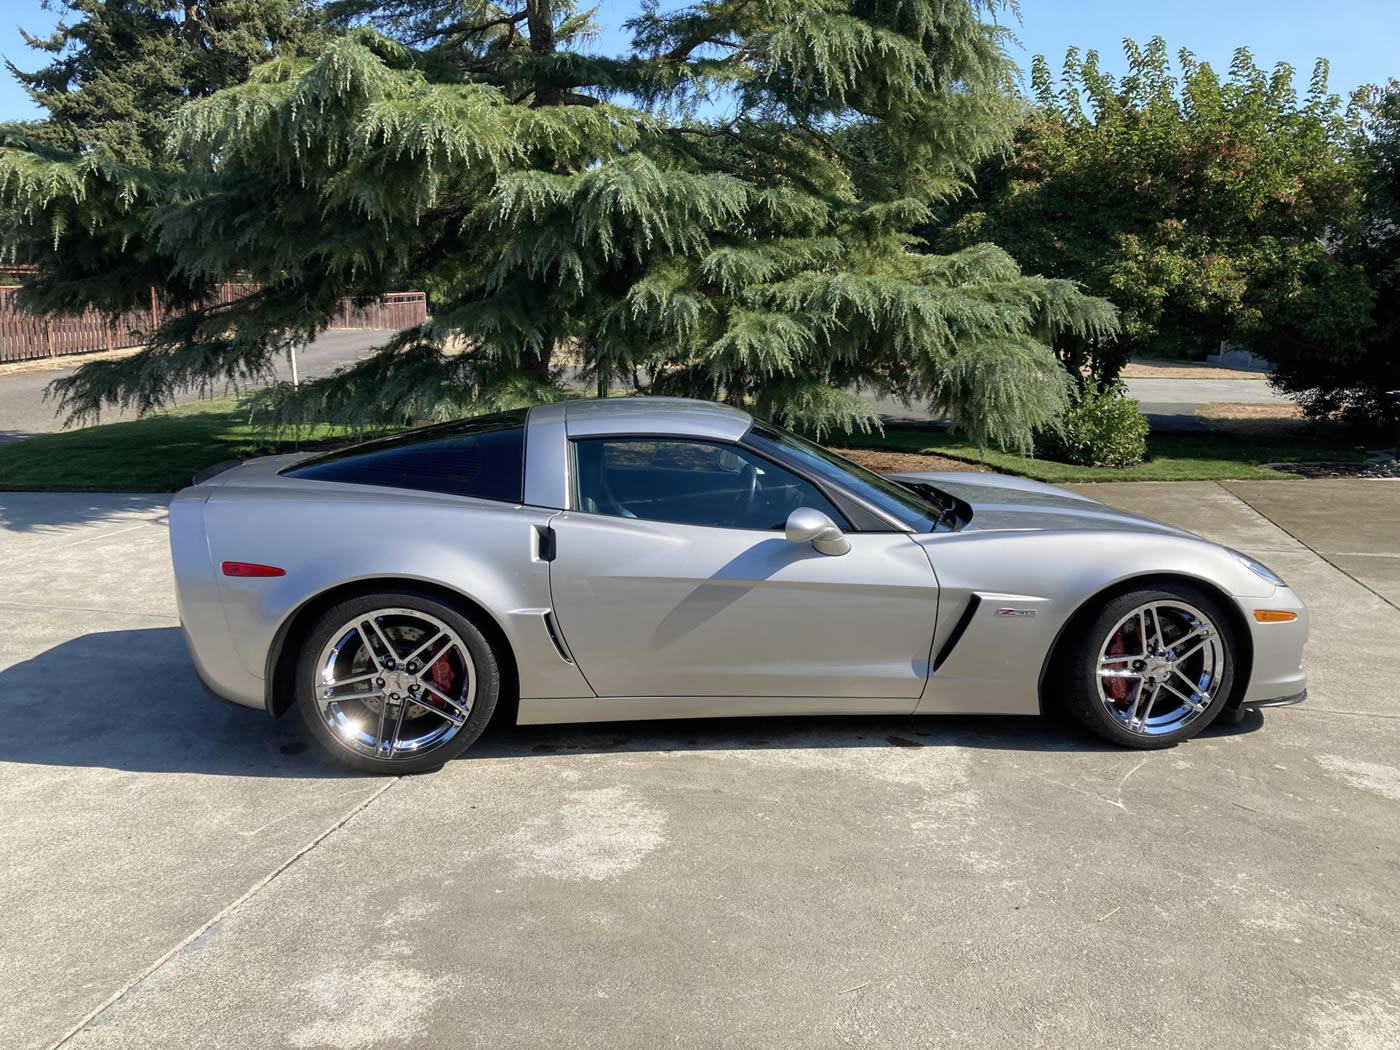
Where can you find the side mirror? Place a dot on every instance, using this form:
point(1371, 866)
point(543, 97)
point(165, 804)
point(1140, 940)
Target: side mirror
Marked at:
point(809, 525)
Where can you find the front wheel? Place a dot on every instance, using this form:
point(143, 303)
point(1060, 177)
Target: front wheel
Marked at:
point(1154, 667)
point(396, 683)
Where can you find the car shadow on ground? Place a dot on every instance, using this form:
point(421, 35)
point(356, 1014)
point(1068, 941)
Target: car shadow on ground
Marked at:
point(38, 511)
point(992, 732)
point(130, 700)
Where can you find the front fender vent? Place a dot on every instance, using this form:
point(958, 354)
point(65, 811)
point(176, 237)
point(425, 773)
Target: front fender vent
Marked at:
point(956, 634)
point(554, 636)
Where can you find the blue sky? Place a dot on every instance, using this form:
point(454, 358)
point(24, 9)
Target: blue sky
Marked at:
point(1359, 37)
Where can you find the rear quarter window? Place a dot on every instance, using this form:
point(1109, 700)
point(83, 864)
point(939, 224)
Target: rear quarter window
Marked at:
point(482, 457)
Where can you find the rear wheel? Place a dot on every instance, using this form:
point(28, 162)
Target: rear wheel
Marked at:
point(396, 682)
point(1152, 668)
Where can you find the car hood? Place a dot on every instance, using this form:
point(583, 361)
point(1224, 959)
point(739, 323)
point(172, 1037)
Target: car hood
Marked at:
point(1006, 504)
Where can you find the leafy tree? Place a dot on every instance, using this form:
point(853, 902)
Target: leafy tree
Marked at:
point(721, 213)
point(1351, 373)
point(119, 69)
point(1205, 208)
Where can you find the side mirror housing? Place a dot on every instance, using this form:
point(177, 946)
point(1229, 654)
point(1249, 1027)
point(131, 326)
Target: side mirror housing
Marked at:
point(809, 525)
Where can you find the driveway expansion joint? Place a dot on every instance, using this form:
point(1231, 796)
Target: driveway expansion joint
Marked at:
point(1324, 557)
point(222, 914)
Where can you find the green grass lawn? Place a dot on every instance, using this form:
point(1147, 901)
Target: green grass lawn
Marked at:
point(162, 452)
point(157, 454)
point(1170, 457)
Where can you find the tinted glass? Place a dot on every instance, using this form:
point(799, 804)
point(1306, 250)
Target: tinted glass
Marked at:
point(891, 497)
point(690, 483)
point(482, 457)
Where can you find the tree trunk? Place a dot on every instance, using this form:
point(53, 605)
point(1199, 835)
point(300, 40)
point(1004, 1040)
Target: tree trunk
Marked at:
point(538, 366)
point(191, 29)
point(540, 21)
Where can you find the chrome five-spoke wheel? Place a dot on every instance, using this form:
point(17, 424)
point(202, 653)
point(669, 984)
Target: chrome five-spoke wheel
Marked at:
point(1148, 668)
point(395, 681)
point(396, 684)
point(1160, 667)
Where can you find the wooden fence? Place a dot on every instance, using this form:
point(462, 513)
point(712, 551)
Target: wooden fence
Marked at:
point(25, 337)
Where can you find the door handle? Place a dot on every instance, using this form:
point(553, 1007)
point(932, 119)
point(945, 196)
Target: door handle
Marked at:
point(544, 542)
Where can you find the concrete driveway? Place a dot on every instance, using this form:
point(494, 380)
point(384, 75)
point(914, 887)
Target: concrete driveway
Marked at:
point(178, 873)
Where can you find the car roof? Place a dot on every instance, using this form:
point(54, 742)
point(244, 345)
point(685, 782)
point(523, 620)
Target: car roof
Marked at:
point(653, 415)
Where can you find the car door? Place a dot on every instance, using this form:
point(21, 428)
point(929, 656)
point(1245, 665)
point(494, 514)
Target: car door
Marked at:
point(672, 577)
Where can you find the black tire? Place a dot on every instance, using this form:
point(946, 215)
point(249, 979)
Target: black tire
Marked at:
point(487, 679)
point(1075, 671)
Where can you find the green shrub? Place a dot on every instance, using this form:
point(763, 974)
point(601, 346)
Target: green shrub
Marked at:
point(1101, 428)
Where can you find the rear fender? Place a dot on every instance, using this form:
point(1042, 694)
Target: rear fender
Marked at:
point(487, 553)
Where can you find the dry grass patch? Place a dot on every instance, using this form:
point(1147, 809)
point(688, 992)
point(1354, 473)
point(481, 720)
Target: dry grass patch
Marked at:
point(55, 364)
point(1185, 370)
point(904, 462)
point(1280, 419)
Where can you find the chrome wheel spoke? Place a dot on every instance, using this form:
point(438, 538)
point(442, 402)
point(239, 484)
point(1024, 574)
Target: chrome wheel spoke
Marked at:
point(352, 680)
point(398, 729)
point(1106, 673)
point(328, 697)
point(1142, 705)
point(1190, 701)
point(1200, 644)
point(455, 713)
point(389, 650)
point(1156, 630)
point(1195, 686)
point(379, 733)
point(413, 656)
point(370, 654)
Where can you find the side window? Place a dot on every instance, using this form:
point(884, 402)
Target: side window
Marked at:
point(482, 457)
point(690, 483)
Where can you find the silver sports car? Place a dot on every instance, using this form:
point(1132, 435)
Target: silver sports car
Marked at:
point(658, 558)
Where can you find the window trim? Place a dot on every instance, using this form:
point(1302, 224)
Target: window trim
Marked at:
point(572, 488)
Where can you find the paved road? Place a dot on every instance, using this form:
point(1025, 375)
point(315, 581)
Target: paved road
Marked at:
point(1169, 403)
point(177, 873)
point(24, 412)
point(1204, 391)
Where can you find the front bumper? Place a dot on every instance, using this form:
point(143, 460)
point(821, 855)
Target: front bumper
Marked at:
point(1277, 677)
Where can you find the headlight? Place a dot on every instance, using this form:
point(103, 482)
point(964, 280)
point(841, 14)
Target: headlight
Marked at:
point(1258, 568)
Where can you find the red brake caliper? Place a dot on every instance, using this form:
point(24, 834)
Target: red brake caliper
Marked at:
point(443, 677)
point(1117, 687)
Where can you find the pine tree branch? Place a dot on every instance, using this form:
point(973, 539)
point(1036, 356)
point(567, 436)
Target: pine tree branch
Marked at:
point(466, 30)
point(682, 50)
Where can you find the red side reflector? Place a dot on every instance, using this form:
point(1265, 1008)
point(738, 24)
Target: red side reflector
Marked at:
point(248, 568)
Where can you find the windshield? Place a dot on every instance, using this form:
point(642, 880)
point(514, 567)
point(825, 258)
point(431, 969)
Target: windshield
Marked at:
point(903, 504)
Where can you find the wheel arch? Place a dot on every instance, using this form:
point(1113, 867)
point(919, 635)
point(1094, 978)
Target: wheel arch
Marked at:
point(1244, 640)
point(280, 673)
